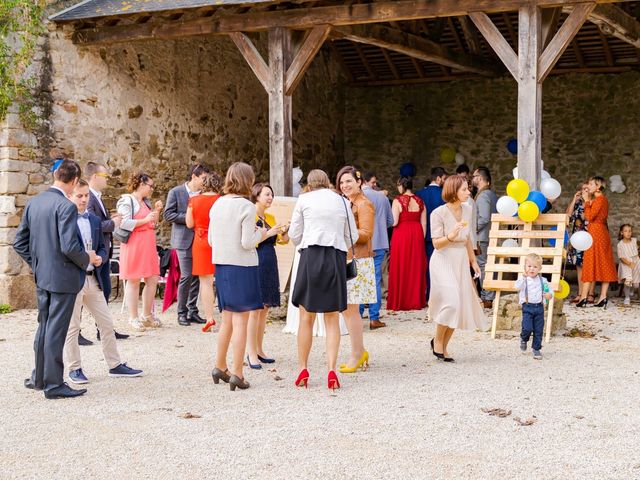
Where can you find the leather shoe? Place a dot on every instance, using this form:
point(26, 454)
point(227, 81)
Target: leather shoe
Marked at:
point(28, 383)
point(375, 324)
point(195, 318)
point(84, 342)
point(487, 304)
point(183, 320)
point(64, 391)
point(119, 336)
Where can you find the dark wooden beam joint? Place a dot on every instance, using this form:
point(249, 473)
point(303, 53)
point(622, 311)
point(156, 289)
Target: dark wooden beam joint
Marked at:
point(614, 21)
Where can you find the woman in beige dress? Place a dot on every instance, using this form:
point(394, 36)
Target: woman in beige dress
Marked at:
point(454, 302)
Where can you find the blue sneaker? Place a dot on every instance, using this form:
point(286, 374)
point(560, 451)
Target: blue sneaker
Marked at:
point(78, 376)
point(123, 370)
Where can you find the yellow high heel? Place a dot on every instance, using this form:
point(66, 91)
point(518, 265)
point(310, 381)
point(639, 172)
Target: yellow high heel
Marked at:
point(363, 363)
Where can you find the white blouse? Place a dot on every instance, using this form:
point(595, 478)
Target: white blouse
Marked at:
point(322, 217)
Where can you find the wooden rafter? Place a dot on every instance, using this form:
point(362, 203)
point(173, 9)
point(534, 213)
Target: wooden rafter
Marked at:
point(392, 66)
point(304, 18)
point(607, 49)
point(416, 47)
point(470, 35)
point(578, 53)
point(550, 19)
point(614, 21)
point(365, 62)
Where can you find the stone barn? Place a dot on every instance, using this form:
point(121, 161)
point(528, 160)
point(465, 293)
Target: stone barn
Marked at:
point(157, 85)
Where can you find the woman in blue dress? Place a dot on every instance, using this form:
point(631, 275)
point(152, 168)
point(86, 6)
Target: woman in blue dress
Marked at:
point(262, 196)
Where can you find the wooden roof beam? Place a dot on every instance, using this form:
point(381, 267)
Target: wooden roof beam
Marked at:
point(416, 47)
point(305, 18)
point(614, 21)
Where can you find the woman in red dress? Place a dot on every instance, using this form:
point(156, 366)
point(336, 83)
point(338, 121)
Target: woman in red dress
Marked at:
point(407, 257)
point(598, 264)
point(198, 219)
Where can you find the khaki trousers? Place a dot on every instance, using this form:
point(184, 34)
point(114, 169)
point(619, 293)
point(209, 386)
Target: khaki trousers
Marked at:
point(93, 299)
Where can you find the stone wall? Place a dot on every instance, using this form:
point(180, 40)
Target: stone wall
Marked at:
point(590, 127)
point(156, 106)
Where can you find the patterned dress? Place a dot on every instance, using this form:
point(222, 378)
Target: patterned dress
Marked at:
point(578, 224)
point(629, 250)
point(598, 264)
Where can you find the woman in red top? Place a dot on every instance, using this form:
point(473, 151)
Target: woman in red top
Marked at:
point(198, 219)
point(407, 257)
point(598, 264)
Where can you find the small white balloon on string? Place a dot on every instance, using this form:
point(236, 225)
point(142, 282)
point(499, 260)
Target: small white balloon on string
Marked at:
point(459, 158)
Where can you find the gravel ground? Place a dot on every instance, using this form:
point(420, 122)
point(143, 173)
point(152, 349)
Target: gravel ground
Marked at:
point(409, 416)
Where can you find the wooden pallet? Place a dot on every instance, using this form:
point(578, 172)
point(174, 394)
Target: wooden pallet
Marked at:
point(502, 260)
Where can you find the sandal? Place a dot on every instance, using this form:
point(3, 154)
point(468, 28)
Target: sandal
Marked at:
point(136, 324)
point(151, 321)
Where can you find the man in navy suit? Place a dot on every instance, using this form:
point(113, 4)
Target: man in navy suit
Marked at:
point(431, 195)
point(91, 296)
point(97, 176)
point(47, 239)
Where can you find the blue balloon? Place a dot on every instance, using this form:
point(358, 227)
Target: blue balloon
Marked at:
point(56, 164)
point(408, 170)
point(552, 241)
point(512, 146)
point(539, 199)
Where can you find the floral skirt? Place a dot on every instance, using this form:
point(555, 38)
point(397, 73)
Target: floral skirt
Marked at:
point(362, 289)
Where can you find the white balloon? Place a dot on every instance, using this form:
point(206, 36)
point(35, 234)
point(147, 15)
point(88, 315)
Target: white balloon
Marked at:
point(581, 241)
point(507, 206)
point(544, 175)
point(459, 159)
point(515, 173)
point(616, 184)
point(510, 242)
point(550, 188)
point(296, 189)
point(297, 175)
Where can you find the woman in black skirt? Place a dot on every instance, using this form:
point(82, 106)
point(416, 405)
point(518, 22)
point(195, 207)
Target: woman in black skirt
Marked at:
point(262, 197)
point(322, 227)
point(233, 237)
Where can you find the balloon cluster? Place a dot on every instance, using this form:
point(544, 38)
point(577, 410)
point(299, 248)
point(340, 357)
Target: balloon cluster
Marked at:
point(525, 203)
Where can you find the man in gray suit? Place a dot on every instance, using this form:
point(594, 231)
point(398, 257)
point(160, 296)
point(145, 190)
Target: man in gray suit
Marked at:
point(486, 200)
point(182, 240)
point(49, 241)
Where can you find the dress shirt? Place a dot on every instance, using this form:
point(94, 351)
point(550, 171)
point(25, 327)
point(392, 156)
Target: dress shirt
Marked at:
point(190, 192)
point(323, 218)
point(531, 289)
point(85, 232)
point(99, 197)
point(383, 219)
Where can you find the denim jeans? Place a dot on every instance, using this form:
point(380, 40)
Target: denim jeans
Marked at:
point(374, 308)
point(482, 261)
point(533, 322)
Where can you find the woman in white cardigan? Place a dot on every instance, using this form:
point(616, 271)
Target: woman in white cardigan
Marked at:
point(233, 237)
point(322, 227)
point(138, 256)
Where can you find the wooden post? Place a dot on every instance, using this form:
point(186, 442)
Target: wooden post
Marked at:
point(280, 143)
point(529, 95)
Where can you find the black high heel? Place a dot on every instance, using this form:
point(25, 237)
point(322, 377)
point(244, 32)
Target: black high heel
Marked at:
point(582, 303)
point(602, 303)
point(438, 355)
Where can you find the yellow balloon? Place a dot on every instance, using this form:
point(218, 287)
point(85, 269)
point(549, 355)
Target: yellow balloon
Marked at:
point(518, 189)
point(448, 155)
point(528, 211)
point(564, 291)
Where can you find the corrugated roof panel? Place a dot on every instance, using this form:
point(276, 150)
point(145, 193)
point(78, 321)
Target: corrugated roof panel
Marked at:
point(104, 8)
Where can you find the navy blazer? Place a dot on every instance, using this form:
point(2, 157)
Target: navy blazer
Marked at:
point(98, 245)
point(431, 195)
point(47, 239)
point(108, 226)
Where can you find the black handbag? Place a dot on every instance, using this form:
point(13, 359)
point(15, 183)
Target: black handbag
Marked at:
point(120, 233)
point(352, 266)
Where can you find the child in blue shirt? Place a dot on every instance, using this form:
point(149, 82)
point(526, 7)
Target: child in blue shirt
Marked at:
point(533, 288)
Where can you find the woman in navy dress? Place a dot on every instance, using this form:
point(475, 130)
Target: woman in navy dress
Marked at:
point(262, 196)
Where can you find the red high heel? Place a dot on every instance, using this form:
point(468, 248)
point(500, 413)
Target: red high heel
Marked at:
point(303, 378)
point(332, 381)
point(208, 326)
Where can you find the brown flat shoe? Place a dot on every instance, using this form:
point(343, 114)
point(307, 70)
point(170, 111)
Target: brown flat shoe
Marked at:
point(375, 324)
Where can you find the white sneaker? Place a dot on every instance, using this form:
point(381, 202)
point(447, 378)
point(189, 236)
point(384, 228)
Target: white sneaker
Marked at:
point(136, 324)
point(627, 300)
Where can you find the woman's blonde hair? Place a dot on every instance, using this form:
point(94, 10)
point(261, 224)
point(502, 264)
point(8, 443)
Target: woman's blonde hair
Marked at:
point(239, 179)
point(318, 179)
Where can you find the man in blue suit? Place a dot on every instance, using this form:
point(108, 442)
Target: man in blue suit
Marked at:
point(47, 239)
point(431, 195)
point(91, 296)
